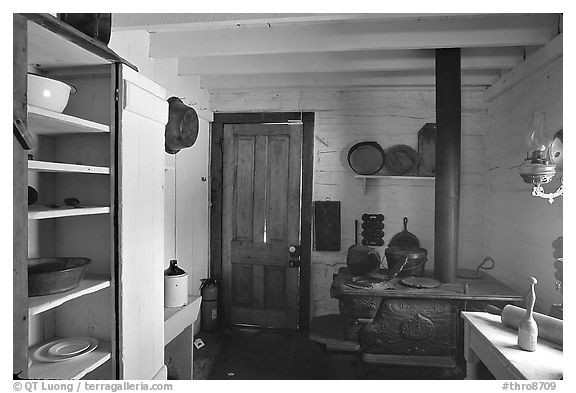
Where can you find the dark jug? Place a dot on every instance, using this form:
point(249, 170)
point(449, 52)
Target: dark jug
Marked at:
point(97, 26)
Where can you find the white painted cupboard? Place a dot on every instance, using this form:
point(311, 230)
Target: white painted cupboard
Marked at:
point(106, 150)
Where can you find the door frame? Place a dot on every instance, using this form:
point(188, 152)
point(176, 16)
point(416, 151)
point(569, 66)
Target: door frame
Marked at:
point(216, 189)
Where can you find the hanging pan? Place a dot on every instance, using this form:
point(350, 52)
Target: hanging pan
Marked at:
point(404, 239)
point(366, 158)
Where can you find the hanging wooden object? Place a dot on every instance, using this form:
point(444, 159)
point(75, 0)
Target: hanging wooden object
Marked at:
point(327, 226)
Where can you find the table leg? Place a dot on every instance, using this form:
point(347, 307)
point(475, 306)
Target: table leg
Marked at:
point(471, 358)
point(471, 370)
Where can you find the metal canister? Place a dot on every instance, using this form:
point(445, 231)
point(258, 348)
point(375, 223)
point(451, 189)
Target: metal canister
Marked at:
point(209, 308)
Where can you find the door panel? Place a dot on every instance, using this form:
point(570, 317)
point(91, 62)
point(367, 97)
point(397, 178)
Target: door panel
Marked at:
point(261, 218)
point(141, 227)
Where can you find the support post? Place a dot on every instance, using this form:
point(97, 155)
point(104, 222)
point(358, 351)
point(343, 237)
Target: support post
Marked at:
point(448, 143)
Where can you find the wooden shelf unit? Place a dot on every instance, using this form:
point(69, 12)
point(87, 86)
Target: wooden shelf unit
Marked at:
point(88, 285)
point(44, 122)
point(117, 135)
point(43, 212)
point(74, 368)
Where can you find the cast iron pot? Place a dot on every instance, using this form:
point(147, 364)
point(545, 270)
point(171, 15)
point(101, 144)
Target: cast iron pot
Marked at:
point(362, 260)
point(417, 257)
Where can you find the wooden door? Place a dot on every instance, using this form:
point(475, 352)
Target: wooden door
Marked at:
point(260, 220)
point(141, 227)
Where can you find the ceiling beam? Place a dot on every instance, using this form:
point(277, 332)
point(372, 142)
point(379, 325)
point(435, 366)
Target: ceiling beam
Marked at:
point(393, 60)
point(504, 30)
point(339, 79)
point(171, 22)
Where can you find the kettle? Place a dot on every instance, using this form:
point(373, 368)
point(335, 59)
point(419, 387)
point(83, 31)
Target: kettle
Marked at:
point(175, 286)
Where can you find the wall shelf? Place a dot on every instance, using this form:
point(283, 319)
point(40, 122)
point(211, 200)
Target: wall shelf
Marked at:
point(88, 285)
point(178, 319)
point(45, 122)
point(43, 212)
point(74, 368)
point(365, 178)
point(57, 167)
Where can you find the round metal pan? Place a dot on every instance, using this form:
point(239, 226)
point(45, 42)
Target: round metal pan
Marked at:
point(404, 239)
point(401, 159)
point(366, 158)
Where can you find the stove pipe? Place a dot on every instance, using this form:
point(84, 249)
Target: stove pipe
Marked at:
point(447, 190)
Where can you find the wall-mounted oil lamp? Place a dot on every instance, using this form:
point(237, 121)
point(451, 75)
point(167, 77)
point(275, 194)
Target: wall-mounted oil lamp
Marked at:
point(543, 159)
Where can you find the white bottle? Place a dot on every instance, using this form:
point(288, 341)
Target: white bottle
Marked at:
point(528, 329)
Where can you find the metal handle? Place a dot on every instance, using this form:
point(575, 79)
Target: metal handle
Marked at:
point(22, 134)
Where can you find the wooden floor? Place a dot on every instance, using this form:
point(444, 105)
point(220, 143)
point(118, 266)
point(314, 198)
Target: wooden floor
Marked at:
point(268, 355)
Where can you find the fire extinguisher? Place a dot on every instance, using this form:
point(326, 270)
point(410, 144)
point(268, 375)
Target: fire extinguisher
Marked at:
point(209, 309)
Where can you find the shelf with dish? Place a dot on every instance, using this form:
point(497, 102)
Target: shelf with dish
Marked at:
point(88, 285)
point(73, 368)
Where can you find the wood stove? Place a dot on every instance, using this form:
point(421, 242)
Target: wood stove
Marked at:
point(398, 324)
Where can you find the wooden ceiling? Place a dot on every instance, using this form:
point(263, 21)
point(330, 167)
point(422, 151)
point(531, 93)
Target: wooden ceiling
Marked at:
point(247, 51)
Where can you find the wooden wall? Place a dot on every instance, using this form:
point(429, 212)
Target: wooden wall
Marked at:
point(519, 227)
point(388, 116)
point(192, 164)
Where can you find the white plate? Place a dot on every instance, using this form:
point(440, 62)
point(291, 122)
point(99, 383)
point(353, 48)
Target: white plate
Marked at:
point(42, 353)
point(68, 346)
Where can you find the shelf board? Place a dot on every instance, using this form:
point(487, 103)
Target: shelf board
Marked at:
point(42, 212)
point(58, 167)
point(395, 177)
point(365, 178)
point(74, 368)
point(176, 319)
point(90, 284)
point(53, 43)
point(44, 122)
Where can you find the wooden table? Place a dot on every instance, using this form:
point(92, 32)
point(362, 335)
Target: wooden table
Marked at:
point(486, 339)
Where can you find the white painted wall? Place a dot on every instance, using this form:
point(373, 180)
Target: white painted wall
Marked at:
point(193, 195)
point(520, 228)
point(388, 116)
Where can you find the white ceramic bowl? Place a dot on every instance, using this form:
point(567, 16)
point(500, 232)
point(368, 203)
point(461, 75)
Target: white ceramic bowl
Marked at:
point(48, 93)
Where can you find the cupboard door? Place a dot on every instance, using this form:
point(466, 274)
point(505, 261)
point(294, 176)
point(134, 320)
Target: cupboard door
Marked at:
point(144, 114)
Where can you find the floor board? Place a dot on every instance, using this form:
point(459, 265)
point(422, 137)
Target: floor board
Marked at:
point(260, 354)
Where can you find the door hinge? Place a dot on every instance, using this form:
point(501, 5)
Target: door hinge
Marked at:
point(117, 95)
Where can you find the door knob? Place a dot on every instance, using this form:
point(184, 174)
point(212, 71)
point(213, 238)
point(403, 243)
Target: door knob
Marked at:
point(294, 251)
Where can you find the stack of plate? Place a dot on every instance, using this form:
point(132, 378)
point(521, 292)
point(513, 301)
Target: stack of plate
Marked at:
point(64, 349)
